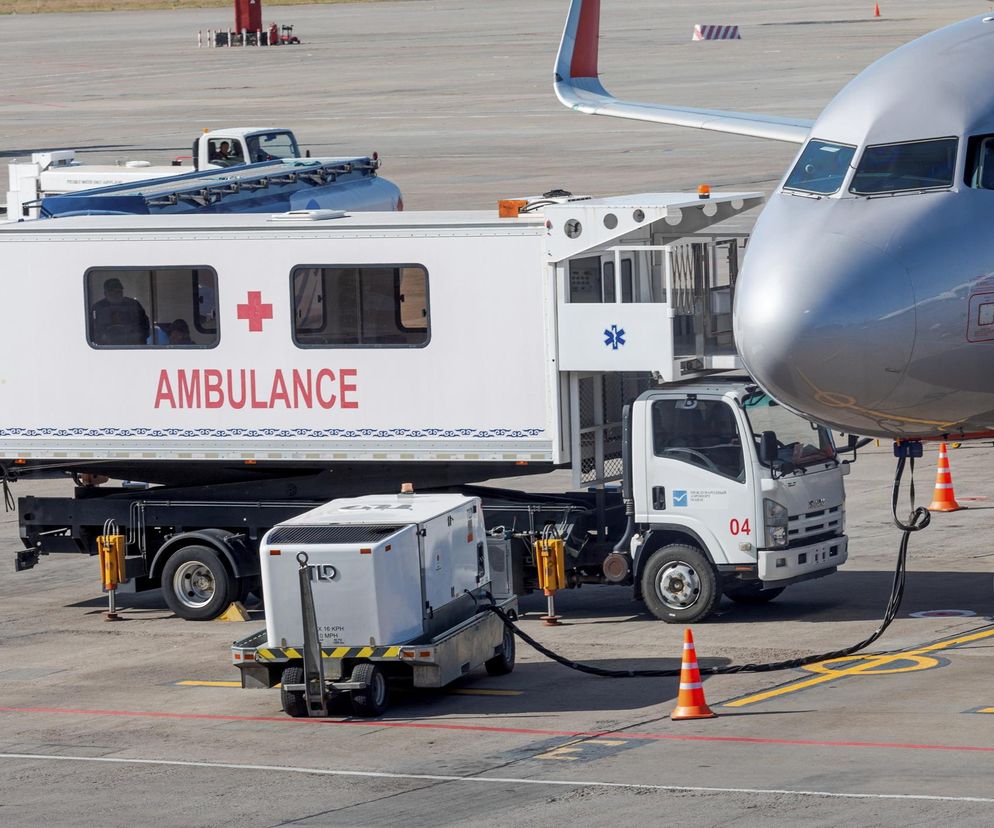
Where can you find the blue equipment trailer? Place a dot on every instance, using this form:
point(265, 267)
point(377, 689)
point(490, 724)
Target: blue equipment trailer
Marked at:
point(274, 186)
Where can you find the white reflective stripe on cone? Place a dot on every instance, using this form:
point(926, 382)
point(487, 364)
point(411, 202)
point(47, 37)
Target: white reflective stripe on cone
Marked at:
point(690, 685)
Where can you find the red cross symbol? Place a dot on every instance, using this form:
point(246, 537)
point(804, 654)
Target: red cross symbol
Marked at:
point(255, 311)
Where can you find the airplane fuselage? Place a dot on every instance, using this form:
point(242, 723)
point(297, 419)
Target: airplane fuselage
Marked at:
point(866, 300)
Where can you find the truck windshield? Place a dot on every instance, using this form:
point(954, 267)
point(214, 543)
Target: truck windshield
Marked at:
point(821, 168)
point(270, 145)
point(799, 441)
point(896, 168)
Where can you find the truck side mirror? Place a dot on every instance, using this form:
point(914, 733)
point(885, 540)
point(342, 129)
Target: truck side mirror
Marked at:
point(853, 444)
point(768, 448)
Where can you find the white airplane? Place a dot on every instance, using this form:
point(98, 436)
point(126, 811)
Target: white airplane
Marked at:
point(866, 300)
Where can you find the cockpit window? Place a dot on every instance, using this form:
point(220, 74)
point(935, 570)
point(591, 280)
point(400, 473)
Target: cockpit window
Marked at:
point(980, 163)
point(896, 168)
point(821, 168)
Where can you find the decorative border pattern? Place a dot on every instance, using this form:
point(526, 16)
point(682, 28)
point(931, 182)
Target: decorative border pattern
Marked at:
point(345, 433)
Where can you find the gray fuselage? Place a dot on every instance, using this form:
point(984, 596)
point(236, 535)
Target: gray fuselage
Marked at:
point(875, 313)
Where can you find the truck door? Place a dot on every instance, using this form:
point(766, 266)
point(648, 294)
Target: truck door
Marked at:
point(697, 475)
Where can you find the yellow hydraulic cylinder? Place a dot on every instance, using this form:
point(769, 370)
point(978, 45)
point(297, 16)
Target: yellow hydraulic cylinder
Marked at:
point(110, 551)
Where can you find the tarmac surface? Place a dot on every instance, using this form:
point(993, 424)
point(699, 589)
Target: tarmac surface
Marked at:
point(95, 724)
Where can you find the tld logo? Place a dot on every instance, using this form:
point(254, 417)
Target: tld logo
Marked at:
point(323, 572)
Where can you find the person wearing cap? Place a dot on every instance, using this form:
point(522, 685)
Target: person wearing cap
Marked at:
point(118, 319)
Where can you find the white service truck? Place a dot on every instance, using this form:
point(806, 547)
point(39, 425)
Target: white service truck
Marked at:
point(59, 171)
point(330, 354)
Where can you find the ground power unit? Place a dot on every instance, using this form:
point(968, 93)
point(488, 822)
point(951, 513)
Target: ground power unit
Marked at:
point(385, 569)
point(363, 591)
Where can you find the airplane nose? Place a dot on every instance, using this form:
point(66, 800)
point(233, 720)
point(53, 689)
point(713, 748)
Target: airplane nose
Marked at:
point(826, 327)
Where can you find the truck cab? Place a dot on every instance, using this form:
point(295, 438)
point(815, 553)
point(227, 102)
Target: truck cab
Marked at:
point(733, 494)
point(222, 148)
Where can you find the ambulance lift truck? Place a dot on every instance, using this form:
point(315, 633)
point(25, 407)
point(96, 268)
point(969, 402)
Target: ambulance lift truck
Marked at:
point(336, 355)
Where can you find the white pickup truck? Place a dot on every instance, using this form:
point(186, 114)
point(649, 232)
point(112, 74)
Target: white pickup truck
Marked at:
point(59, 171)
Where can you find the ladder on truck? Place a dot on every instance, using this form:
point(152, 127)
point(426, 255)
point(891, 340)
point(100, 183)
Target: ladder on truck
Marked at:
point(263, 187)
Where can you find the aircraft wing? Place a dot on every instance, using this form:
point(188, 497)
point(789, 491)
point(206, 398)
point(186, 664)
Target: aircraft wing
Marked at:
point(578, 86)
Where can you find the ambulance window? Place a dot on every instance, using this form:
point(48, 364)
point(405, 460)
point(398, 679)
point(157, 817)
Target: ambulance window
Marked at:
point(821, 168)
point(385, 306)
point(913, 166)
point(702, 433)
point(980, 163)
point(174, 307)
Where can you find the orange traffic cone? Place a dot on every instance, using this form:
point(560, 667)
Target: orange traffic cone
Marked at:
point(876, 10)
point(944, 499)
point(690, 704)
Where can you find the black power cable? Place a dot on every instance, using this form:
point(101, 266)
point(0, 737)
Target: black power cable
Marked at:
point(918, 519)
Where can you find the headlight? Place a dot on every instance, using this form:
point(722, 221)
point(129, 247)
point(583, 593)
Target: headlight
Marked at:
point(774, 523)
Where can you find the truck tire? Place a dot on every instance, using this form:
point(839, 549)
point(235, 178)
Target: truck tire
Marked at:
point(680, 584)
point(196, 584)
point(373, 700)
point(753, 595)
point(502, 664)
point(294, 701)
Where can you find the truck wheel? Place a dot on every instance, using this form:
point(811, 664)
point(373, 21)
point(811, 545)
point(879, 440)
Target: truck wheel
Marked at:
point(374, 699)
point(294, 701)
point(501, 665)
point(753, 595)
point(196, 584)
point(680, 584)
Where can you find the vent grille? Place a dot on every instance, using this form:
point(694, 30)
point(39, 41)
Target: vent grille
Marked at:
point(331, 534)
point(809, 524)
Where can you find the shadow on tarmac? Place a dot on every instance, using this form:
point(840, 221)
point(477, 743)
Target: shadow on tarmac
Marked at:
point(843, 596)
point(542, 688)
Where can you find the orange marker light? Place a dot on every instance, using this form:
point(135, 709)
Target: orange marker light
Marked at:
point(510, 207)
point(704, 191)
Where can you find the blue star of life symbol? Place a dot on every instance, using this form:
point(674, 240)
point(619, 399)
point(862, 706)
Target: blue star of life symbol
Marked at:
point(614, 337)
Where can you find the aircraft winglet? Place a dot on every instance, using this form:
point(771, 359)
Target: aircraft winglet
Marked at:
point(578, 86)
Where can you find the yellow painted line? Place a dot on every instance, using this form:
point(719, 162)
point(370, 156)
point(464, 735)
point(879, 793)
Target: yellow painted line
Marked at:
point(470, 691)
point(868, 667)
point(919, 662)
point(561, 753)
point(986, 710)
point(210, 683)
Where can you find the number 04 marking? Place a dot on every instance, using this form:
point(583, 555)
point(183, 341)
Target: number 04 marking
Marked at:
point(737, 527)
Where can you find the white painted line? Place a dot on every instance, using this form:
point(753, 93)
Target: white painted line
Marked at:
point(496, 780)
